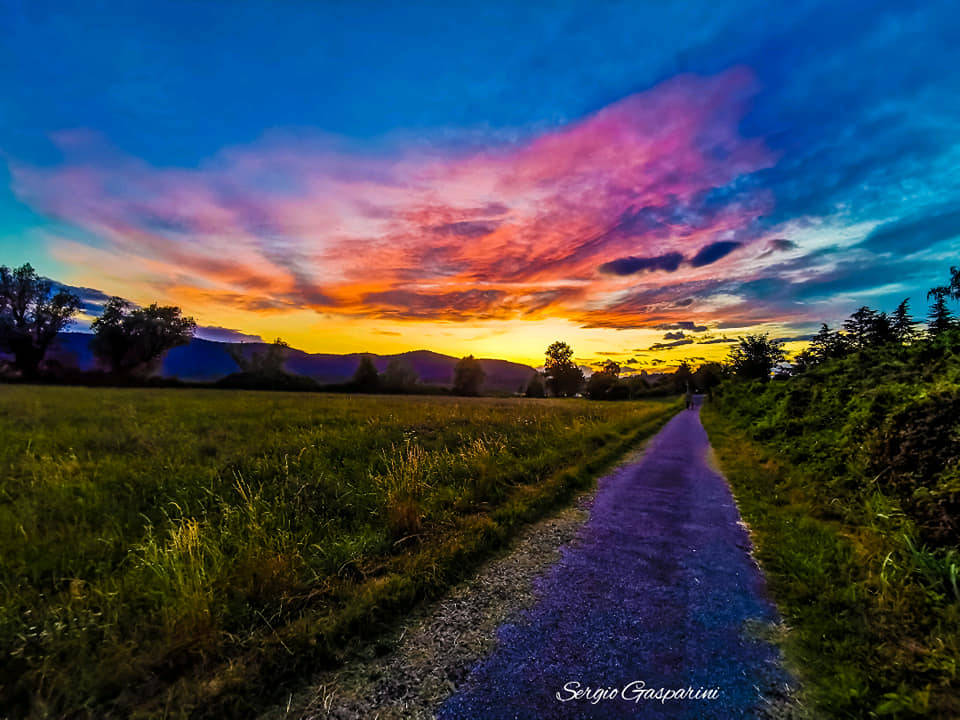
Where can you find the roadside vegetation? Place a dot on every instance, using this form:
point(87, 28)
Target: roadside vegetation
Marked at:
point(848, 474)
point(197, 549)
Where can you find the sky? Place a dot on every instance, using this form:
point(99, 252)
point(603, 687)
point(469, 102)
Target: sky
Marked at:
point(646, 181)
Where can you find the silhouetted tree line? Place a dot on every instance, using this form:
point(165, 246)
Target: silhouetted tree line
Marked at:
point(129, 343)
point(866, 331)
point(562, 377)
point(127, 340)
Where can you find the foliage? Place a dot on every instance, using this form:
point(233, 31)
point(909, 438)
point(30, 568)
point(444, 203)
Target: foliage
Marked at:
point(564, 377)
point(132, 339)
point(827, 344)
point(708, 376)
point(683, 378)
point(902, 326)
point(600, 385)
point(267, 361)
point(535, 388)
point(195, 549)
point(941, 319)
point(366, 378)
point(399, 376)
point(754, 356)
point(871, 618)
point(468, 376)
point(31, 315)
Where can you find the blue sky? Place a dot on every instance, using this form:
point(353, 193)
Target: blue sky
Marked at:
point(856, 105)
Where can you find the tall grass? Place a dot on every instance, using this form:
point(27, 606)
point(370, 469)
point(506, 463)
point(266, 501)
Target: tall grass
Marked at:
point(190, 550)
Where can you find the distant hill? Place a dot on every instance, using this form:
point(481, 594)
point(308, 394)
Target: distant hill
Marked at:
point(206, 360)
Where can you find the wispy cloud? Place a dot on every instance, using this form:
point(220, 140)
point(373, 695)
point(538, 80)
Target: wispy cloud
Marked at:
point(553, 225)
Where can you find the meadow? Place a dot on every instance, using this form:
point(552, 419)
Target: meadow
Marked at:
point(198, 549)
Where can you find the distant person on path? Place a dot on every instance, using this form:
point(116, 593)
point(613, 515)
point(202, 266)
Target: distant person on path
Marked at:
point(689, 398)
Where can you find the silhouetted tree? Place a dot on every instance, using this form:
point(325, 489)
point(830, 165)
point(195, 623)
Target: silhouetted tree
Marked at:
point(366, 378)
point(804, 360)
point(268, 361)
point(610, 367)
point(953, 288)
point(683, 377)
point(902, 326)
point(861, 327)
point(882, 331)
point(941, 319)
point(827, 344)
point(535, 388)
point(131, 339)
point(468, 376)
point(399, 376)
point(31, 315)
point(564, 377)
point(708, 376)
point(603, 383)
point(754, 356)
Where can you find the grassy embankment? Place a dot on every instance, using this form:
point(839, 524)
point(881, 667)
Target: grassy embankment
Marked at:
point(849, 477)
point(164, 552)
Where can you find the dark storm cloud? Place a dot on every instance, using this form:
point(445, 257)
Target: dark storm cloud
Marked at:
point(668, 262)
point(713, 252)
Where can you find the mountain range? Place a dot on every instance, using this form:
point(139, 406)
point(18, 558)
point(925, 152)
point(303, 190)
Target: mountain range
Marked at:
point(207, 360)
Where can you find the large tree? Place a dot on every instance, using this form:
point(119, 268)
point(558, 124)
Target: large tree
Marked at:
point(535, 388)
point(399, 376)
point(953, 288)
point(131, 339)
point(683, 377)
point(902, 325)
point(941, 319)
point(468, 376)
point(366, 378)
point(31, 315)
point(827, 344)
point(754, 356)
point(602, 383)
point(861, 327)
point(564, 377)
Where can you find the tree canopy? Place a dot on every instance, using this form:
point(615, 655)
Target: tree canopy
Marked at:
point(366, 378)
point(468, 376)
point(131, 339)
point(754, 356)
point(564, 377)
point(31, 315)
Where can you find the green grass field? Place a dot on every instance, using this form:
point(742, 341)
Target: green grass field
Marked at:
point(197, 549)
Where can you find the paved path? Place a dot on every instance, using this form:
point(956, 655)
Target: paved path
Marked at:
point(659, 587)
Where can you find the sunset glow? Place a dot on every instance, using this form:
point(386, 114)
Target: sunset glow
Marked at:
point(691, 207)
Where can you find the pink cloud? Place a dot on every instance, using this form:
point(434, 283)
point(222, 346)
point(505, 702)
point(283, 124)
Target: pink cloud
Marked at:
point(507, 231)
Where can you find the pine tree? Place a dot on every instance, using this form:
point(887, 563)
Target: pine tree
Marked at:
point(901, 324)
point(941, 319)
point(861, 326)
point(827, 344)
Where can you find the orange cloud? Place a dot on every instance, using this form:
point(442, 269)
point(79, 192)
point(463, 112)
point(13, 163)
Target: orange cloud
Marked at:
point(616, 220)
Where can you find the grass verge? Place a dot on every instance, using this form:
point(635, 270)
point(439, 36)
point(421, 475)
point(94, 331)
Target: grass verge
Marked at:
point(872, 616)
